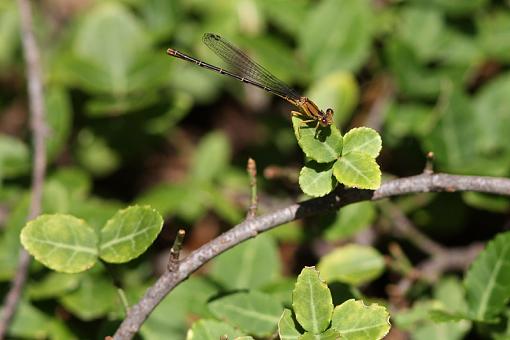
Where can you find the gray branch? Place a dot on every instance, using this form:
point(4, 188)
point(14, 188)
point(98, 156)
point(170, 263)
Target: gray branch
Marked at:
point(251, 227)
point(38, 127)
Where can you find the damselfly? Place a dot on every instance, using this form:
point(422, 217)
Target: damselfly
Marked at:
point(243, 68)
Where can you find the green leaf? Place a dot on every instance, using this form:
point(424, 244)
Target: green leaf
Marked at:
point(487, 281)
point(311, 301)
point(364, 140)
point(322, 144)
point(129, 233)
point(95, 297)
point(316, 179)
point(29, 323)
point(287, 327)
point(59, 120)
point(14, 157)
point(189, 299)
point(341, 31)
point(354, 320)
point(54, 284)
point(95, 155)
point(211, 330)
point(491, 101)
point(330, 334)
point(349, 220)
point(211, 157)
point(337, 90)
point(251, 264)
point(9, 32)
point(353, 264)
point(253, 312)
point(358, 170)
point(421, 28)
point(494, 35)
point(61, 242)
point(122, 39)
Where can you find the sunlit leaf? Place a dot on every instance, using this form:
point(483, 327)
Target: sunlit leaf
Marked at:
point(358, 170)
point(364, 140)
point(322, 144)
point(287, 327)
point(354, 320)
point(129, 233)
point(311, 301)
point(61, 242)
point(316, 179)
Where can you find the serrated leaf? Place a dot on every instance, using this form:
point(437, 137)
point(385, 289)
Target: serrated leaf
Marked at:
point(330, 334)
point(211, 330)
point(353, 264)
point(322, 144)
point(129, 233)
point(287, 327)
point(354, 320)
point(311, 301)
point(358, 170)
point(487, 281)
point(316, 179)
point(252, 264)
point(253, 312)
point(364, 140)
point(61, 242)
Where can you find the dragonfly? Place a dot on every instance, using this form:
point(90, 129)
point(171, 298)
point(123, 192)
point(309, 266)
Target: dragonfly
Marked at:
point(243, 68)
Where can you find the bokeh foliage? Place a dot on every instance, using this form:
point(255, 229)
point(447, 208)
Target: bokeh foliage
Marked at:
point(128, 124)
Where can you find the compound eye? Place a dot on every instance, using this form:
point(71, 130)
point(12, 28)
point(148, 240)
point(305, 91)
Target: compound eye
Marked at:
point(329, 111)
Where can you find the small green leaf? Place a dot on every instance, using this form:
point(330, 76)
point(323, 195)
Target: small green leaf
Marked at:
point(354, 320)
point(316, 179)
point(311, 300)
point(253, 312)
point(358, 170)
point(287, 327)
point(252, 264)
point(211, 157)
point(61, 242)
point(95, 297)
point(349, 220)
point(129, 233)
point(322, 144)
point(54, 284)
point(364, 140)
point(330, 334)
point(14, 157)
point(353, 264)
point(211, 330)
point(487, 281)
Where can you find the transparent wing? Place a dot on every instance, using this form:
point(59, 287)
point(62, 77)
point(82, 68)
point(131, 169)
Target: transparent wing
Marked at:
point(244, 66)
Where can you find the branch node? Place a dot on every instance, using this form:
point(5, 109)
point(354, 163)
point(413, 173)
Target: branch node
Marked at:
point(173, 260)
point(251, 168)
point(429, 165)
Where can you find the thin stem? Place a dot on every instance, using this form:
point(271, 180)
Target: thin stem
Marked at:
point(251, 168)
point(38, 127)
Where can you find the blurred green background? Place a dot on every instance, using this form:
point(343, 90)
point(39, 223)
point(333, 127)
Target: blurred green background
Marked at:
point(131, 125)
